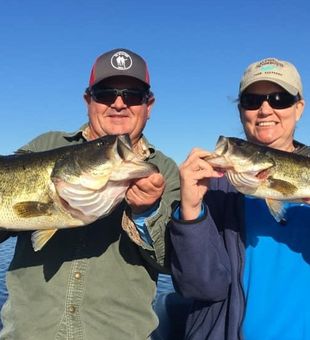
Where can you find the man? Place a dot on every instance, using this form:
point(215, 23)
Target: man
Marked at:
point(249, 274)
point(98, 281)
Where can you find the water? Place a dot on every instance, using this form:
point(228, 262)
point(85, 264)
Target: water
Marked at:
point(6, 253)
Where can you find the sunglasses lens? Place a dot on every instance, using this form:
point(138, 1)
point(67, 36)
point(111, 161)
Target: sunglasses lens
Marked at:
point(251, 101)
point(279, 100)
point(103, 96)
point(108, 96)
point(133, 97)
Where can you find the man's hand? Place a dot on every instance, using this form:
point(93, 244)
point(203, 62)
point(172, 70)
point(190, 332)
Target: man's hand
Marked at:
point(145, 192)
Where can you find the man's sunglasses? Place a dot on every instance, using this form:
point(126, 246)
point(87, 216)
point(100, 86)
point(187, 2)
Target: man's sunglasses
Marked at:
point(108, 96)
point(277, 100)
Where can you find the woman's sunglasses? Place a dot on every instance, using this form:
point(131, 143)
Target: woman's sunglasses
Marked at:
point(108, 96)
point(277, 100)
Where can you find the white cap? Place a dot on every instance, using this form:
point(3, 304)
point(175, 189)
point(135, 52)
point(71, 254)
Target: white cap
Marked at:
point(277, 71)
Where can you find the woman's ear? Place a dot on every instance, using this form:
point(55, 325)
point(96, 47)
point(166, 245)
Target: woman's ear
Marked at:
point(240, 113)
point(300, 106)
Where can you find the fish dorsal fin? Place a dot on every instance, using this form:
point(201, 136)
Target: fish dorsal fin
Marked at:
point(284, 187)
point(40, 237)
point(277, 209)
point(28, 209)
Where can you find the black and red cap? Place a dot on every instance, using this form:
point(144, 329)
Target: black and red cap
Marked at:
point(119, 62)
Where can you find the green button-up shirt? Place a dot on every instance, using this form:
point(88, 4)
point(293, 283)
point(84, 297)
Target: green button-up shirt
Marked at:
point(92, 282)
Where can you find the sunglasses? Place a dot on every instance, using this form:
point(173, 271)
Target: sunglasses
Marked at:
point(277, 100)
point(108, 96)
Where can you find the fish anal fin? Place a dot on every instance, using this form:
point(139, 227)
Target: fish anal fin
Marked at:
point(277, 209)
point(28, 209)
point(284, 187)
point(40, 237)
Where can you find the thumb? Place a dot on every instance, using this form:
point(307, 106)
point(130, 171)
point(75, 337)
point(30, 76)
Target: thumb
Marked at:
point(157, 180)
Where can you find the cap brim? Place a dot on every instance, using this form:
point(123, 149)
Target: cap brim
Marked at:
point(147, 86)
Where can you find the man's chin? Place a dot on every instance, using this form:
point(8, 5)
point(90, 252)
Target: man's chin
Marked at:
point(118, 132)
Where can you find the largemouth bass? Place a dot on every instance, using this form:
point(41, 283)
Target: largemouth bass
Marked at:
point(66, 187)
point(259, 171)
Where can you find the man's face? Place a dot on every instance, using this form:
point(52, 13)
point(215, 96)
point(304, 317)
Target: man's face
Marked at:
point(118, 117)
point(267, 125)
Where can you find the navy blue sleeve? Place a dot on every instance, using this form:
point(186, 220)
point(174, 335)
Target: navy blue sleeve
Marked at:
point(199, 260)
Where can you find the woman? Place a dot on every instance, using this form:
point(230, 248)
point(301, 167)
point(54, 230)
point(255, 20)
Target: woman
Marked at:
point(248, 274)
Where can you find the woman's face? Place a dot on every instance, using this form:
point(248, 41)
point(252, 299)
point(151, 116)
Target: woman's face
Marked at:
point(267, 125)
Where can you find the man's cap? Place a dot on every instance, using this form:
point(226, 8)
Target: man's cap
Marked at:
point(119, 62)
point(277, 71)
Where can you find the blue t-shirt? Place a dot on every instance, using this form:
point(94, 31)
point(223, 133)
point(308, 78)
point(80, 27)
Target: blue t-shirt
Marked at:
point(277, 273)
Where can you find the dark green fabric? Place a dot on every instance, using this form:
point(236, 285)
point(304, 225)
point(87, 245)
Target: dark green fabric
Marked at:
point(91, 282)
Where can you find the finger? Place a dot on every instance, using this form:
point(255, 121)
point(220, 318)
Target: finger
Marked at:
point(144, 185)
point(195, 154)
point(157, 180)
point(135, 193)
point(195, 159)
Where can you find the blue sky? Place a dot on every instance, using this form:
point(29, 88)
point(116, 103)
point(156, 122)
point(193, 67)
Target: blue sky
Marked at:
point(196, 50)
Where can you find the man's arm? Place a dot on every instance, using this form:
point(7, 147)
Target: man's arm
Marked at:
point(158, 218)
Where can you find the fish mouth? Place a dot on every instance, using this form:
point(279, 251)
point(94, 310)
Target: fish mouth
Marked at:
point(123, 144)
point(218, 159)
point(263, 174)
point(138, 166)
point(222, 145)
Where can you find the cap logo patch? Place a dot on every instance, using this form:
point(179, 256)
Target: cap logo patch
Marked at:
point(268, 68)
point(121, 61)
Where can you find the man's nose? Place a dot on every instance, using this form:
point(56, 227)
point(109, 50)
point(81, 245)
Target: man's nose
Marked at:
point(119, 102)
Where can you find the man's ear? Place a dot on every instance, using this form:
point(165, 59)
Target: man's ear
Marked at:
point(87, 98)
point(150, 104)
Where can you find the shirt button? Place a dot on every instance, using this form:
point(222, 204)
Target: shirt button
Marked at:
point(72, 309)
point(77, 275)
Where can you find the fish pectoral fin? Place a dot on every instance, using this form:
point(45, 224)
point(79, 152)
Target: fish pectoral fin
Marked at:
point(277, 209)
point(29, 209)
point(284, 187)
point(40, 237)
